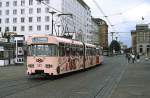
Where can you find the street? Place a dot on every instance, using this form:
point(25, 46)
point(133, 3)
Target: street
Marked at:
point(97, 82)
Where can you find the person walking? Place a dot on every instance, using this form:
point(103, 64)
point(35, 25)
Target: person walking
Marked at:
point(138, 57)
point(133, 58)
point(128, 57)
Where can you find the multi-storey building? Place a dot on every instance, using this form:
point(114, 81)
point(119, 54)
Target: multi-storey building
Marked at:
point(143, 38)
point(29, 16)
point(142, 35)
point(95, 32)
point(103, 32)
point(134, 40)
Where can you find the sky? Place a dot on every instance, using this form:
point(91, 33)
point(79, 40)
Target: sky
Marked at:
point(122, 14)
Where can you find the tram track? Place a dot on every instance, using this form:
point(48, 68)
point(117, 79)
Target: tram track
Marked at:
point(18, 85)
point(97, 82)
point(110, 83)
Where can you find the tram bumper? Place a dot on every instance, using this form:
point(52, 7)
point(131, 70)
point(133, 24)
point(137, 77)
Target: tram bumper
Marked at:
point(42, 71)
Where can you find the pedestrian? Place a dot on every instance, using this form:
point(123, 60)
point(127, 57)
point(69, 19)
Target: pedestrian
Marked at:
point(128, 57)
point(133, 58)
point(138, 57)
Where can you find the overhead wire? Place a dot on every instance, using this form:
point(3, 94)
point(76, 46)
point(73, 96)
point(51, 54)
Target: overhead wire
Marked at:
point(100, 9)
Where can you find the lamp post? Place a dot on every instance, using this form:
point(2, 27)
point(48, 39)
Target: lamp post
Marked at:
point(52, 12)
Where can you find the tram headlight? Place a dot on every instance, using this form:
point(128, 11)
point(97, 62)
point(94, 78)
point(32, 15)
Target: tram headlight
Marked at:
point(48, 65)
point(31, 65)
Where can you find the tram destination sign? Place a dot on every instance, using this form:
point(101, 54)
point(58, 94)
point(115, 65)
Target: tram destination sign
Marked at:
point(40, 40)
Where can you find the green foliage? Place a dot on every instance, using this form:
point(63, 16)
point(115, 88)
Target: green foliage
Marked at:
point(115, 46)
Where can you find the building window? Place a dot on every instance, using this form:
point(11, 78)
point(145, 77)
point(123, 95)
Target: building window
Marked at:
point(22, 28)
point(0, 12)
point(14, 12)
point(22, 19)
point(0, 4)
point(0, 29)
point(6, 29)
point(0, 20)
point(30, 2)
point(38, 10)
point(14, 20)
point(46, 27)
point(30, 19)
point(7, 12)
point(22, 2)
point(30, 28)
point(22, 11)
point(46, 10)
point(38, 19)
point(7, 4)
point(15, 3)
point(7, 20)
point(46, 18)
point(38, 28)
point(14, 28)
point(30, 10)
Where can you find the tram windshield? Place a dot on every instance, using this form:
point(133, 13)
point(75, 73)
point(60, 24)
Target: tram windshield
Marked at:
point(43, 50)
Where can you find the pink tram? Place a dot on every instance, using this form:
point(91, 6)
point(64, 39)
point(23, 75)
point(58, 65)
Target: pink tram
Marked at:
point(53, 55)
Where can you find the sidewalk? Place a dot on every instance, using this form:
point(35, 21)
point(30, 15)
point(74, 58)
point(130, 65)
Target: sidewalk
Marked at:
point(135, 82)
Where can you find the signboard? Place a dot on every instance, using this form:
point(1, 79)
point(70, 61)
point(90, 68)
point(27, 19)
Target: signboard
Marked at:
point(3, 40)
point(40, 40)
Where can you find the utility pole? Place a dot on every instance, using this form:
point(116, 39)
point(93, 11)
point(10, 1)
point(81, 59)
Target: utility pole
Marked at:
point(52, 12)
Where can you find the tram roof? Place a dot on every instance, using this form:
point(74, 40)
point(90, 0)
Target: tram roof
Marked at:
point(61, 39)
point(69, 41)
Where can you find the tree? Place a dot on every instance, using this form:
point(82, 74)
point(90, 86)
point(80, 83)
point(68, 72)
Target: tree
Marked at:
point(115, 46)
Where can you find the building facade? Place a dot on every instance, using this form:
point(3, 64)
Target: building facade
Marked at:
point(31, 17)
point(141, 39)
point(134, 40)
point(94, 33)
point(103, 32)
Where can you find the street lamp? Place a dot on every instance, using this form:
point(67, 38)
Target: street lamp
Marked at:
point(52, 12)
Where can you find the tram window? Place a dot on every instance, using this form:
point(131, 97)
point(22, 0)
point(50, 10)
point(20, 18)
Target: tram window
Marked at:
point(81, 51)
point(73, 51)
point(87, 51)
point(43, 50)
point(61, 49)
point(67, 50)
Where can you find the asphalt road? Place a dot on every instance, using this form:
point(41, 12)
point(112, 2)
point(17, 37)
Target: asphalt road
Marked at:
point(97, 82)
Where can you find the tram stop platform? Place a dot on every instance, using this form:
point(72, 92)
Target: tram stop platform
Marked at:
point(135, 81)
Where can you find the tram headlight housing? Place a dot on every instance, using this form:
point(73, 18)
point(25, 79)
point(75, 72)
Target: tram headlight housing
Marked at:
point(48, 65)
point(31, 65)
